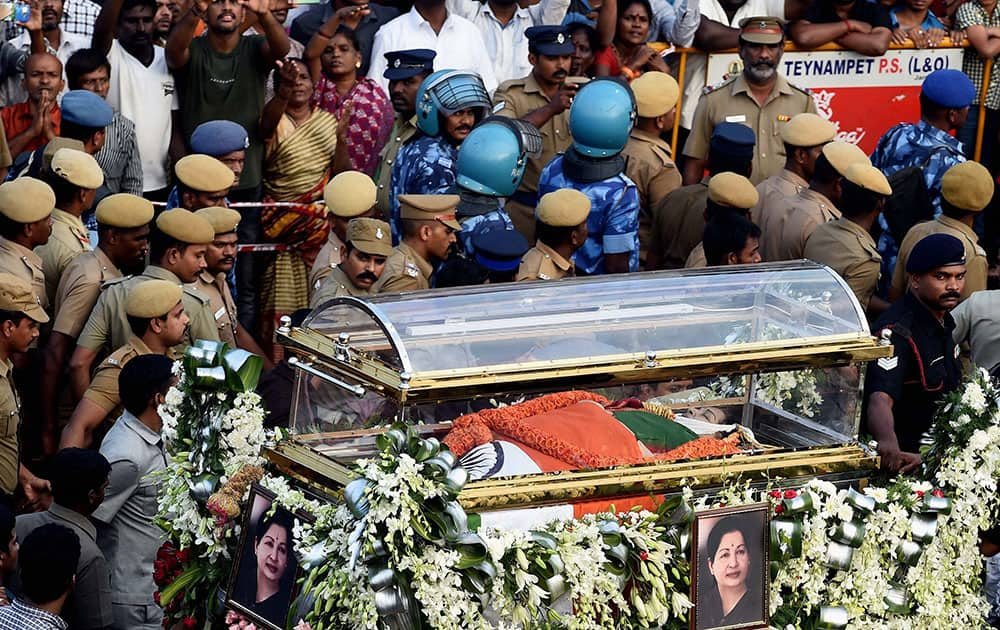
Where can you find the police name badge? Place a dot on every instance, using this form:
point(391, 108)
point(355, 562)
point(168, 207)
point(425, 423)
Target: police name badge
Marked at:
point(738, 118)
point(888, 363)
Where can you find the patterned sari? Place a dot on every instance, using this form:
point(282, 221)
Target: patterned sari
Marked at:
point(297, 165)
point(372, 117)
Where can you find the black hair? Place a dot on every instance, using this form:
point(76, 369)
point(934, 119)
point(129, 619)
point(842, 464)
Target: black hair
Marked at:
point(410, 227)
point(728, 525)
point(11, 316)
point(281, 517)
point(932, 109)
point(713, 210)
point(74, 131)
point(721, 162)
point(855, 201)
point(138, 325)
point(277, 75)
point(160, 242)
point(64, 190)
point(128, 5)
point(625, 4)
point(459, 271)
point(85, 61)
point(727, 234)
point(47, 562)
point(142, 378)
point(74, 473)
point(588, 31)
point(350, 34)
point(824, 171)
point(952, 211)
point(8, 524)
point(9, 228)
point(553, 236)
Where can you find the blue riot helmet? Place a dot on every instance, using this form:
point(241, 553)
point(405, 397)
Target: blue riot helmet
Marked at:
point(601, 117)
point(447, 91)
point(493, 157)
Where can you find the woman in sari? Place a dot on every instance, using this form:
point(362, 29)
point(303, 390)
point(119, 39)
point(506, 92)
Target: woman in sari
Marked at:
point(305, 147)
point(334, 62)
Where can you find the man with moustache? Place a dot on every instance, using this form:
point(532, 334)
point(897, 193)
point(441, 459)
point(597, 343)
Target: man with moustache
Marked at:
point(363, 258)
point(903, 391)
point(542, 98)
point(140, 85)
point(36, 120)
point(759, 98)
point(428, 226)
point(349, 195)
point(163, 21)
point(405, 70)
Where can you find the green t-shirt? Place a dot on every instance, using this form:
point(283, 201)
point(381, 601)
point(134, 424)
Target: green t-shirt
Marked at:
point(227, 86)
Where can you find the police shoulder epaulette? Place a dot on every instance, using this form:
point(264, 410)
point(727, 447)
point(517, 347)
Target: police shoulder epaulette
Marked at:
point(804, 90)
point(113, 281)
point(711, 88)
point(196, 294)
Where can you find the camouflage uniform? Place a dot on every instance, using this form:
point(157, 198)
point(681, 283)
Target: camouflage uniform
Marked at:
point(425, 166)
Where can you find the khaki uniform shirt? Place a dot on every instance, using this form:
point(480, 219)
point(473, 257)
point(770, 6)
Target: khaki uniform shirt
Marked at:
point(79, 288)
point(520, 97)
point(541, 262)
point(977, 320)
point(648, 164)
point(848, 249)
point(731, 101)
point(108, 326)
point(772, 192)
point(335, 285)
point(10, 421)
point(103, 390)
point(221, 303)
point(405, 270)
point(678, 223)
point(26, 265)
point(697, 258)
point(791, 221)
point(69, 239)
point(401, 133)
point(976, 266)
point(327, 260)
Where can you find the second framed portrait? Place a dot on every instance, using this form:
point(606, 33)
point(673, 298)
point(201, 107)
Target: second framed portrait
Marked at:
point(729, 582)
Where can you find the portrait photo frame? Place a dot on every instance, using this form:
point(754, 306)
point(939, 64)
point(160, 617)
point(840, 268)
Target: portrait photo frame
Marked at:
point(738, 553)
point(272, 613)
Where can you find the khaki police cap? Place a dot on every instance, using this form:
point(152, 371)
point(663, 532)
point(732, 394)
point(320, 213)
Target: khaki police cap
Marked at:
point(967, 186)
point(26, 200)
point(55, 145)
point(223, 220)
point(565, 207)
point(762, 29)
point(869, 178)
point(152, 298)
point(370, 236)
point(204, 173)
point(655, 94)
point(430, 208)
point(16, 295)
point(732, 190)
point(78, 168)
point(122, 210)
point(349, 194)
point(808, 130)
point(185, 226)
point(841, 155)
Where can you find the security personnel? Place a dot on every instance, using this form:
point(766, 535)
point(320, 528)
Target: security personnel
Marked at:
point(157, 320)
point(561, 228)
point(804, 137)
point(678, 219)
point(648, 157)
point(727, 192)
point(25, 222)
point(177, 245)
point(759, 97)
point(202, 181)
point(845, 244)
point(74, 177)
point(363, 257)
point(223, 140)
point(500, 253)
point(790, 220)
point(966, 189)
point(543, 99)
point(903, 391)
point(428, 229)
point(18, 302)
point(405, 70)
point(348, 195)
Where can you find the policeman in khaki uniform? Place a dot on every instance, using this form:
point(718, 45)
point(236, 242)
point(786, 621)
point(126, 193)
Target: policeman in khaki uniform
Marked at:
point(966, 189)
point(25, 222)
point(74, 177)
point(845, 244)
point(363, 258)
point(428, 234)
point(791, 220)
point(727, 192)
point(561, 227)
point(157, 320)
point(18, 301)
point(542, 98)
point(177, 246)
point(759, 97)
point(348, 195)
point(649, 164)
point(202, 181)
point(211, 282)
point(804, 137)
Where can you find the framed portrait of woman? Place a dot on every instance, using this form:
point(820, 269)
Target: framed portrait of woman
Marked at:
point(729, 582)
point(264, 582)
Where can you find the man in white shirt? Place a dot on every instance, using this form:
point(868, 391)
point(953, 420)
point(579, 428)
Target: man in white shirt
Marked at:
point(429, 24)
point(502, 24)
point(141, 86)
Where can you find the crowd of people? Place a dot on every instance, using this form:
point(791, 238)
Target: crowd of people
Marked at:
point(197, 169)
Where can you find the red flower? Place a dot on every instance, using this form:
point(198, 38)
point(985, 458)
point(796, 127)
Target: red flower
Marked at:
point(644, 556)
point(937, 492)
point(183, 556)
point(776, 494)
point(791, 494)
point(189, 623)
point(919, 493)
point(156, 597)
point(778, 509)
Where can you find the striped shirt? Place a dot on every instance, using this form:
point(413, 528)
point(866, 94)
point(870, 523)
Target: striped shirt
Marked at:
point(78, 17)
point(120, 161)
